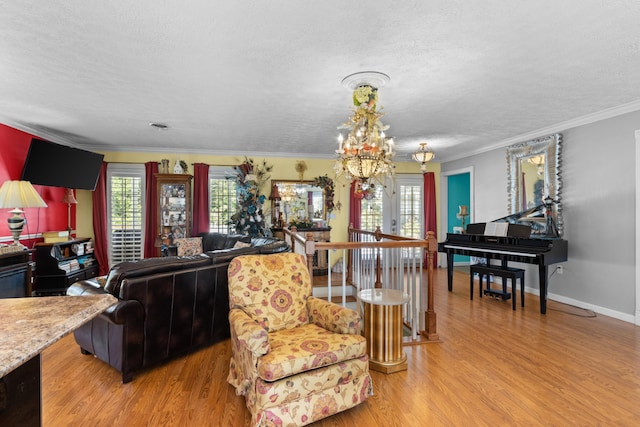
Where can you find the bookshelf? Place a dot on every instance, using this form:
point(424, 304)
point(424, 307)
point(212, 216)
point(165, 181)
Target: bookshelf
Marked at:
point(60, 264)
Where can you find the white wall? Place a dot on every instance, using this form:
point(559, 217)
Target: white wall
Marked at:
point(598, 167)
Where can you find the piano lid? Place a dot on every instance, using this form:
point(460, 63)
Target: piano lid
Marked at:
point(534, 220)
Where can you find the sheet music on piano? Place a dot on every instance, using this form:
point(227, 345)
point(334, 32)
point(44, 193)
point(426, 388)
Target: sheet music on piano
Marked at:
point(496, 228)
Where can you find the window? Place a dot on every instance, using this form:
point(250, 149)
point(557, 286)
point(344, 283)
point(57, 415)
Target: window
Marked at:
point(125, 212)
point(410, 199)
point(222, 199)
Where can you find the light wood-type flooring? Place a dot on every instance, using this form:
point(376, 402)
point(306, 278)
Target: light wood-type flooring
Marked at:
point(493, 367)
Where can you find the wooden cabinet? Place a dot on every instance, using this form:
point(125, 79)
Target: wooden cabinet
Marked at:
point(15, 274)
point(58, 265)
point(320, 234)
point(174, 206)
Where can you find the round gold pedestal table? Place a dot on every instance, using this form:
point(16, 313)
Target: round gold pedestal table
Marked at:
point(383, 328)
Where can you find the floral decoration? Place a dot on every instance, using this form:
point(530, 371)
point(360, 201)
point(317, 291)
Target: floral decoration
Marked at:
point(365, 96)
point(300, 224)
point(327, 185)
point(367, 192)
point(249, 177)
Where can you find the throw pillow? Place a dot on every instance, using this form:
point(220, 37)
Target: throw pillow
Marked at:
point(188, 246)
point(241, 245)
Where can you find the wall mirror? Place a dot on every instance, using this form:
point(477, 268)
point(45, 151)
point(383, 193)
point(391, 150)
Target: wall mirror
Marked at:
point(533, 169)
point(301, 203)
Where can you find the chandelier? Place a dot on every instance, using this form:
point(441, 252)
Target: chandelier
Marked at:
point(423, 155)
point(366, 154)
point(538, 162)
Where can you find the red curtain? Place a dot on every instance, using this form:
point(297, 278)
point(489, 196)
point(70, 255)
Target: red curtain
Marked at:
point(355, 206)
point(429, 200)
point(99, 198)
point(200, 223)
point(151, 199)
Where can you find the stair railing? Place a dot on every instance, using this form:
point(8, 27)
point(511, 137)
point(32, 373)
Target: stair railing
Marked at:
point(378, 260)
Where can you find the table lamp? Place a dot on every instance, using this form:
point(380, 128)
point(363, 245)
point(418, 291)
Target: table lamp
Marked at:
point(69, 199)
point(16, 195)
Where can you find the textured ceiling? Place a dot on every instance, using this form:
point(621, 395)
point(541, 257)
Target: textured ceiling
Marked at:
point(263, 77)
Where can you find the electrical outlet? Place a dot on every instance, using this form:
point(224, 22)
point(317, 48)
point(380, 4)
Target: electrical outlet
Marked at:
point(560, 269)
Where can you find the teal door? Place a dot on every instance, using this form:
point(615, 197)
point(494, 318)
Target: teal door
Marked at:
point(458, 194)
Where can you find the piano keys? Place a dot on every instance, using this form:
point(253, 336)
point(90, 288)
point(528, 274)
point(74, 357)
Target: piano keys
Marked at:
point(516, 246)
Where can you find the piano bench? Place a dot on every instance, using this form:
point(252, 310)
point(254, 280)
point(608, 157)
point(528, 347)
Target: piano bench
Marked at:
point(504, 273)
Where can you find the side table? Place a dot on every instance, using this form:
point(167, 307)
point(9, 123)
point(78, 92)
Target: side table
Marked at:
point(383, 328)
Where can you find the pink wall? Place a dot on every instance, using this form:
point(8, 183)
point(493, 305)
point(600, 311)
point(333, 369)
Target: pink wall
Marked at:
point(14, 146)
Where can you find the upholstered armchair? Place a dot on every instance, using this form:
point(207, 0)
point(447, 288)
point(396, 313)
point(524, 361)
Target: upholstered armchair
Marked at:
point(295, 358)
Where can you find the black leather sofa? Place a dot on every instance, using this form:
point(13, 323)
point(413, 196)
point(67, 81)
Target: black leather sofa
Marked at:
point(216, 242)
point(167, 306)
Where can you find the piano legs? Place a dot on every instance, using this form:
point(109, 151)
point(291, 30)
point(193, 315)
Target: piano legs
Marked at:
point(450, 270)
point(543, 273)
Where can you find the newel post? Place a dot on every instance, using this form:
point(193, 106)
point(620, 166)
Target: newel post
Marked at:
point(430, 331)
point(310, 251)
point(378, 237)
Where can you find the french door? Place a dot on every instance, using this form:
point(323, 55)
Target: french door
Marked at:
point(397, 209)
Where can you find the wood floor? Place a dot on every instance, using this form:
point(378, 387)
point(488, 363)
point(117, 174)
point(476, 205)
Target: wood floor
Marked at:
point(494, 367)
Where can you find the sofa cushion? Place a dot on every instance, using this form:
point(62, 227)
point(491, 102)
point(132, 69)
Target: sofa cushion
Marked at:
point(188, 246)
point(296, 390)
point(270, 245)
point(147, 266)
point(232, 239)
point(305, 348)
point(226, 255)
point(217, 241)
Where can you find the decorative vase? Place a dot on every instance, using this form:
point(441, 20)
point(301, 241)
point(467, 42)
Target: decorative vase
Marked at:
point(178, 168)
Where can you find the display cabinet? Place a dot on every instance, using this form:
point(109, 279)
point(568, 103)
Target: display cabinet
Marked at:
point(174, 206)
point(59, 265)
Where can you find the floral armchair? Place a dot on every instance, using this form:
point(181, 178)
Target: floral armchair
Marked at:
point(295, 358)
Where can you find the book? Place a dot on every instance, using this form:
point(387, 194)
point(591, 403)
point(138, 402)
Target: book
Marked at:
point(55, 236)
point(64, 233)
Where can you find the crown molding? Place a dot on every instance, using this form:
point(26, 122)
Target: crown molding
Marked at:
point(556, 128)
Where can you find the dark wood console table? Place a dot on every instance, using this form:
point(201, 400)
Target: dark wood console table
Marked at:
point(320, 234)
point(15, 274)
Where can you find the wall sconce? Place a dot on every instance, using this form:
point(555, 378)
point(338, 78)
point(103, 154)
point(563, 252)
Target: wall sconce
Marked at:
point(16, 195)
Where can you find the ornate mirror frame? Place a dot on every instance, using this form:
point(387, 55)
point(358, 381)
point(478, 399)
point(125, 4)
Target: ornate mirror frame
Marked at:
point(548, 146)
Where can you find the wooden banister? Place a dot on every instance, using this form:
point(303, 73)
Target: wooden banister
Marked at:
point(379, 242)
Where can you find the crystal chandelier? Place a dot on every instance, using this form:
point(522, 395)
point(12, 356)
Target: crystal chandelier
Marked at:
point(366, 154)
point(423, 155)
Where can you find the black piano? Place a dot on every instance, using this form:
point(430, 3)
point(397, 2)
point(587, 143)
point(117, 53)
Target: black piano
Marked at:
point(519, 245)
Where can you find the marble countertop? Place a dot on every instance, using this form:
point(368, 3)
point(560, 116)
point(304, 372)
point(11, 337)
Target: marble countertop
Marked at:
point(29, 325)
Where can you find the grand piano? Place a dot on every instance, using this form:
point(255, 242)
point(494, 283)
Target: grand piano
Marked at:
point(528, 240)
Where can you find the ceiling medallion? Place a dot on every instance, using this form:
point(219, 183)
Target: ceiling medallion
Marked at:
point(366, 154)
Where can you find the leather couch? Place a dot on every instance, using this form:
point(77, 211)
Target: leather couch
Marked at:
point(166, 306)
point(215, 242)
